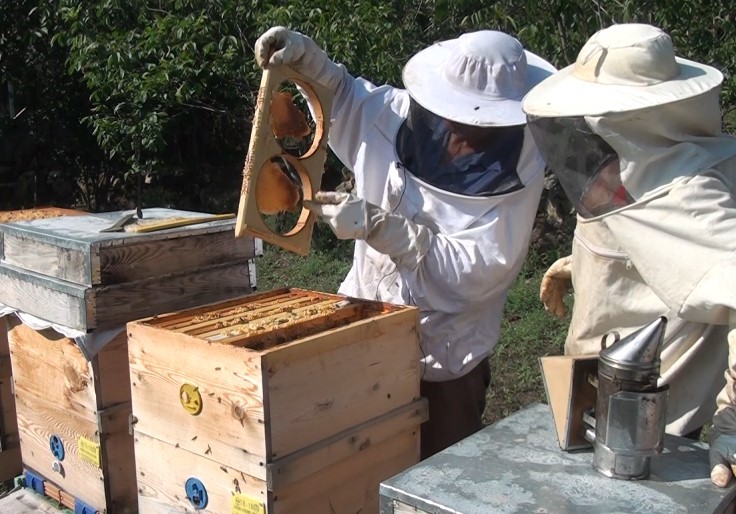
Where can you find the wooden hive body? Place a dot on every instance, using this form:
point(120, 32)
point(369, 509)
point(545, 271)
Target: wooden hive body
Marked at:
point(279, 401)
point(264, 146)
point(10, 460)
point(66, 271)
point(64, 401)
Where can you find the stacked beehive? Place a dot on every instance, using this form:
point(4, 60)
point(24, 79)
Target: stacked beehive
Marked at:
point(73, 394)
point(10, 461)
point(290, 401)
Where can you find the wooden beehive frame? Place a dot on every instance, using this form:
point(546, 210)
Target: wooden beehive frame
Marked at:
point(264, 146)
point(260, 321)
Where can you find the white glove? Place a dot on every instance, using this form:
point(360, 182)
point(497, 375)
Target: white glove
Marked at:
point(556, 283)
point(350, 217)
point(279, 45)
point(722, 462)
point(347, 215)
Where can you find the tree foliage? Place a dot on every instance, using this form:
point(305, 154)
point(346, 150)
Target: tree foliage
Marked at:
point(117, 92)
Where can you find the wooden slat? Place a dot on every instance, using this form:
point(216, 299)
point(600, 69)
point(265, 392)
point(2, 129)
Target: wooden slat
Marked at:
point(57, 494)
point(183, 319)
point(346, 444)
point(137, 261)
point(50, 299)
point(306, 326)
point(163, 470)
point(373, 368)
point(231, 427)
point(45, 258)
point(252, 310)
point(263, 316)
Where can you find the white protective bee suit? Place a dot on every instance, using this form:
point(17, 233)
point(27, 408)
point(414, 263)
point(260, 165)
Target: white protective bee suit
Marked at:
point(669, 247)
point(451, 253)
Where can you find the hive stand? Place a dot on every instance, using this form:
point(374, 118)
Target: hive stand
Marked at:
point(264, 146)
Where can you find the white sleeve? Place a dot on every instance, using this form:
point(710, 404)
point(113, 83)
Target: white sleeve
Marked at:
point(684, 246)
point(357, 106)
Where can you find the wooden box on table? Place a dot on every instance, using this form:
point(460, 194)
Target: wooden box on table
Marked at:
point(10, 461)
point(289, 401)
point(72, 399)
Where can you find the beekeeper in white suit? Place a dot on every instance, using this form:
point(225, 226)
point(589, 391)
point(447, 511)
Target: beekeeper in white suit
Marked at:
point(447, 183)
point(634, 135)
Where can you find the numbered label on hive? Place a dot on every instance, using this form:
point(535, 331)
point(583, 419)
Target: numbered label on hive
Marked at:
point(89, 451)
point(245, 505)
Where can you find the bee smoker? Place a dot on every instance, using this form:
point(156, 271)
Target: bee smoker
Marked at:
point(630, 409)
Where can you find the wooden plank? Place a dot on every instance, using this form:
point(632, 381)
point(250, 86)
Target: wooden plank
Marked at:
point(25, 501)
point(51, 366)
point(373, 368)
point(163, 470)
point(46, 258)
point(350, 485)
point(38, 420)
point(117, 452)
point(85, 309)
point(111, 373)
point(247, 312)
point(291, 325)
point(120, 303)
point(182, 320)
point(8, 421)
point(10, 464)
point(137, 261)
point(231, 426)
point(10, 461)
point(304, 462)
point(47, 298)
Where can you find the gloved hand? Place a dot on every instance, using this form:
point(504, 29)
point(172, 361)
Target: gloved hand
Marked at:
point(722, 462)
point(279, 45)
point(350, 217)
point(556, 283)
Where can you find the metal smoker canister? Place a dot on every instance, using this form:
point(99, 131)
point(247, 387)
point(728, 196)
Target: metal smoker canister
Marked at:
point(630, 408)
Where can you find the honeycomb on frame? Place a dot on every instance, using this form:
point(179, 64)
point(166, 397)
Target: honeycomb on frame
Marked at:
point(285, 161)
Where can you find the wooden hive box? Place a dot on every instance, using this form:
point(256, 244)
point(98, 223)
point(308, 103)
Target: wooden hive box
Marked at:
point(10, 460)
point(64, 270)
point(73, 419)
point(289, 401)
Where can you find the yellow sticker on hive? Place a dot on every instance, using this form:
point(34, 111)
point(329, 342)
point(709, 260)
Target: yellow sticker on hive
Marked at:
point(243, 504)
point(89, 451)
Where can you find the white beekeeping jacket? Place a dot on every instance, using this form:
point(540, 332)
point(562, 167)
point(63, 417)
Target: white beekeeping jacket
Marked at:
point(671, 253)
point(478, 243)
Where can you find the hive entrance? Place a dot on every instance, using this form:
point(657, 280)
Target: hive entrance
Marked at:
point(269, 319)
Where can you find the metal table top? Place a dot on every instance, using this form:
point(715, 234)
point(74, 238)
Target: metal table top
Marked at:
point(516, 465)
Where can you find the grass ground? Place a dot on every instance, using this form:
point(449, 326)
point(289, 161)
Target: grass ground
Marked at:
point(528, 332)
